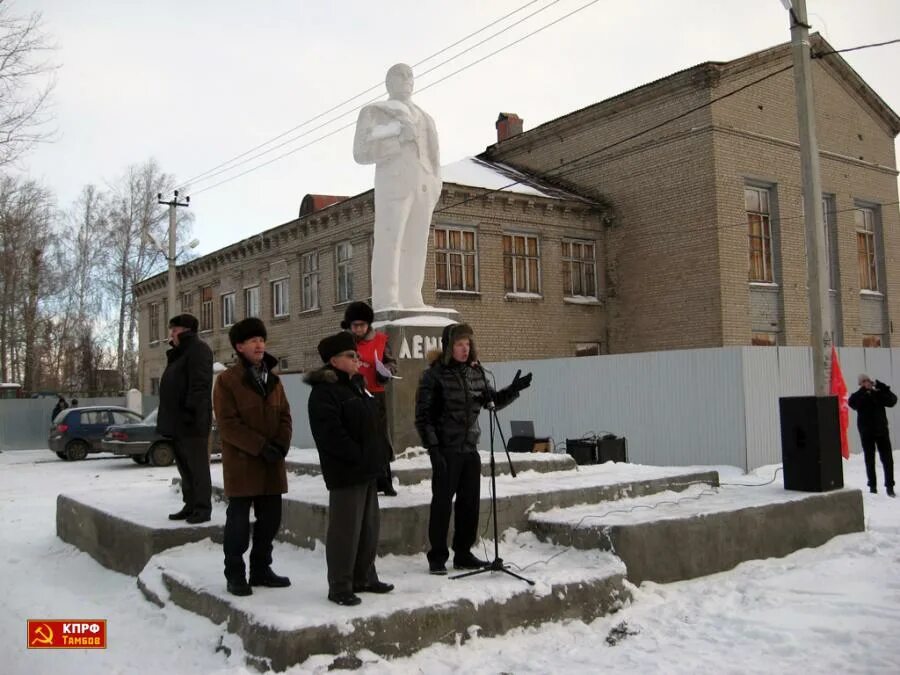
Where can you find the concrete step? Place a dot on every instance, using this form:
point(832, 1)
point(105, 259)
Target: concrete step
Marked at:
point(404, 518)
point(281, 628)
point(417, 468)
point(671, 537)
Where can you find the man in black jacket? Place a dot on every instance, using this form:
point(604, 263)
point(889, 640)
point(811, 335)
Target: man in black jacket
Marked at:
point(185, 414)
point(343, 418)
point(450, 396)
point(869, 402)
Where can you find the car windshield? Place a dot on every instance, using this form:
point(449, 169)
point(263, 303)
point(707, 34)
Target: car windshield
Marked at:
point(150, 420)
point(60, 416)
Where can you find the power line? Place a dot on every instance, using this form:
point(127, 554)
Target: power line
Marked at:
point(432, 84)
point(819, 55)
point(225, 165)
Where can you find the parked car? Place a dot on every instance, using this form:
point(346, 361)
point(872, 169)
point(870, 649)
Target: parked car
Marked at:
point(143, 443)
point(79, 431)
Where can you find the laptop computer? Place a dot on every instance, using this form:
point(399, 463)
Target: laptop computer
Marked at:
point(522, 428)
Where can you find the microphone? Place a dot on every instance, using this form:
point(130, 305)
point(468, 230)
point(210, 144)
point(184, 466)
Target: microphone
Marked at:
point(487, 400)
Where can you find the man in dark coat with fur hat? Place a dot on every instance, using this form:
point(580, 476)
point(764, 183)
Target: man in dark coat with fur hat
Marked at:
point(185, 414)
point(374, 349)
point(449, 399)
point(344, 423)
point(255, 427)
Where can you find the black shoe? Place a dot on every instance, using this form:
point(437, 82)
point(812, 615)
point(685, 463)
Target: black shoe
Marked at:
point(239, 587)
point(389, 492)
point(374, 587)
point(268, 578)
point(437, 568)
point(347, 599)
point(890, 492)
point(198, 517)
point(468, 561)
point(873, 490)
point(181, 515)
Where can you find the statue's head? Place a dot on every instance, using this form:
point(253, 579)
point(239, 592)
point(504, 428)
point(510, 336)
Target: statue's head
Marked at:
point(399, 81)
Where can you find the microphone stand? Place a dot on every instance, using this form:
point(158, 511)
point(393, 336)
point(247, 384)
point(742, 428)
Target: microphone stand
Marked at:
point(497, 564)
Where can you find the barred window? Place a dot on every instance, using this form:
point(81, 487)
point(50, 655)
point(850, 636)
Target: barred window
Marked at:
point(153, 321)
point(309, 280)
point(521, 264)
point(579, 268)
point(206, 308)
point(455, 259)
point(759, 220)
point(187, 300)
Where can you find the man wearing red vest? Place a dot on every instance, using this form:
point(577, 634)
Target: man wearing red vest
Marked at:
point(373, 348)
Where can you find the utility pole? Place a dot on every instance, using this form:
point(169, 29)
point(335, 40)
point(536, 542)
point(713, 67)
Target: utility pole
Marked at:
point(173, 205)
point(820, 324)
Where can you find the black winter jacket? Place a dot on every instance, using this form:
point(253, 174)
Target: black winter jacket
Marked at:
point(451, 396)
point(185, 389)
point(869, 404)
point(343, 418)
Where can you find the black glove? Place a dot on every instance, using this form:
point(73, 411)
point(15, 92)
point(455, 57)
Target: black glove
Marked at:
point(519, 383)
point(279, 447)
point(271, 454)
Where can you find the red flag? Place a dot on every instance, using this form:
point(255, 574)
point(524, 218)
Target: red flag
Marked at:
point(839, 389)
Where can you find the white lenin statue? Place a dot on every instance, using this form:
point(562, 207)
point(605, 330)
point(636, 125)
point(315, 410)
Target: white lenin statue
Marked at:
point(400, 139)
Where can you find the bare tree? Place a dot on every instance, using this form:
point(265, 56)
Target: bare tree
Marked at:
point(26, 82)
point(134, 213)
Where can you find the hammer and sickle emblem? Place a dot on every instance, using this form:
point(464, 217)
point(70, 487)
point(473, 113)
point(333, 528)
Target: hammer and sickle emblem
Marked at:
point(43, 635)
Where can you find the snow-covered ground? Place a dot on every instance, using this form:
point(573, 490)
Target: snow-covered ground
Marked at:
point(831, 609)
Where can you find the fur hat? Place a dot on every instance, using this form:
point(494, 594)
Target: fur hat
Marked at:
point(451, 333)
point(335, 344)
point(357, 311)
point(185, 320)
point(245, 329)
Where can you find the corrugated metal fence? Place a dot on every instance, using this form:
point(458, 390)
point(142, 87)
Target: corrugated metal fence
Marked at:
point(699, 406)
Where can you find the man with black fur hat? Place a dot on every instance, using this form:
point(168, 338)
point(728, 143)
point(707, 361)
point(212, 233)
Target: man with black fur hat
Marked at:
point(344, 422)
point(373, 348)
point(185, 414)
point(254, 419)
point(450, 396)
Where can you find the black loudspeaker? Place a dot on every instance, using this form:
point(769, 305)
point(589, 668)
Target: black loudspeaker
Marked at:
point(811, 443)
point(520, 444)
point(612, 449)
point(582, 451)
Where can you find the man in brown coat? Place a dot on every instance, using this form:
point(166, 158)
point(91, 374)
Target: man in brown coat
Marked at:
point(254, 420)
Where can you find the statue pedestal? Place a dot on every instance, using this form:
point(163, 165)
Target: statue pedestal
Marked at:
point(412, 334)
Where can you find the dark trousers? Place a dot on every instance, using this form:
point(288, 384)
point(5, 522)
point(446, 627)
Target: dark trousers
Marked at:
point(267, 509)
point(351, 543)
point(192, 460)
point(386, 479)
point(454, 473)
point(883, 443)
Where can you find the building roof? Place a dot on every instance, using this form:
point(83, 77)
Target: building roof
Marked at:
point(495, 176)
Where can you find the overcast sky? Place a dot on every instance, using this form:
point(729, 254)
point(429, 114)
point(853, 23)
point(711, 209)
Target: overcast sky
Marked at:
point(194, 83)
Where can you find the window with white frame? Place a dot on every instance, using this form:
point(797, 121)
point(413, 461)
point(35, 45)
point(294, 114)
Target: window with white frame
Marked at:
point(206, 308)
point(280, 300)
point(251, 302)
point(309, 280)
point(759, 221)
point(455, 259)
point(344, 271)
point(227, 309)
point(153, 321)
point(521, 263)
point(865, 247)
point(579, 268)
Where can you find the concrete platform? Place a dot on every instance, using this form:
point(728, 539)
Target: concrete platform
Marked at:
point(123, 528)
point(283, 627)
point(404, 518)
point(670, 537)
point(418, 468)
